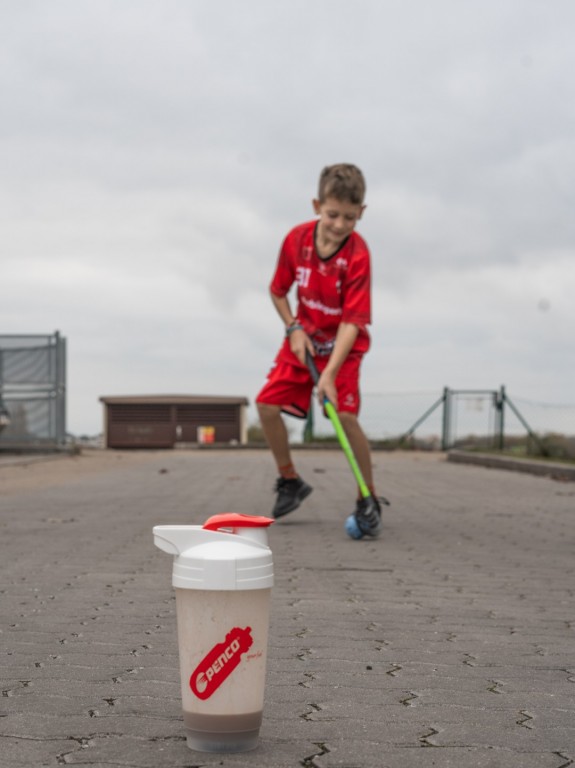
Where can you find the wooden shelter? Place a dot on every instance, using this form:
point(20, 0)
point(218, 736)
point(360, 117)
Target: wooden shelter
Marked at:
point(163, 421)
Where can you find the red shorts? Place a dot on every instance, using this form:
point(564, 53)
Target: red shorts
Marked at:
point(290, 386)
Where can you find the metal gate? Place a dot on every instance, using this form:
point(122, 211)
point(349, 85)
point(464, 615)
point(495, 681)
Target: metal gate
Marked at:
point(476, 413)
point(32, 392)
point(483, 415)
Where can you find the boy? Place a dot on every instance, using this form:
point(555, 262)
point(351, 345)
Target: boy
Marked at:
point(330, 264)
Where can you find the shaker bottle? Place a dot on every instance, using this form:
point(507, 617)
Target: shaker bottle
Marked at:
point(222, 574)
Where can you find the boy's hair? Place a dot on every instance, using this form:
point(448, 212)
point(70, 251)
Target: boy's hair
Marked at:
point(343, 181)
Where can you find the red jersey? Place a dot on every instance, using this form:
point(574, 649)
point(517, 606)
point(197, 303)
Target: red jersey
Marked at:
point(329, 291)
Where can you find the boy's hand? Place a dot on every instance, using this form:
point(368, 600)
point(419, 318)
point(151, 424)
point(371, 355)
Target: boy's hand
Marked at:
point(299, 342)
point(326, 388)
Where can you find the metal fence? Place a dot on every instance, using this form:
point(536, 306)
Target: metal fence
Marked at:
point(390, 415)
point(32, 391)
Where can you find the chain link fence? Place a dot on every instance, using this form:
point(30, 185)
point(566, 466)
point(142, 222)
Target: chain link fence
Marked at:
point(475, 415)
point(32, 392)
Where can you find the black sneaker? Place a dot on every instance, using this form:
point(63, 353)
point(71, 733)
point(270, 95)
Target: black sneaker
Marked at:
point(368, 514)
point(290, 495)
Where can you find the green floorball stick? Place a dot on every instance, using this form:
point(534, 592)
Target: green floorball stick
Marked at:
point(370, 520)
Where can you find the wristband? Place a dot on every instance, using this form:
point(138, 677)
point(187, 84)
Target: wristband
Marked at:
point(295, 326)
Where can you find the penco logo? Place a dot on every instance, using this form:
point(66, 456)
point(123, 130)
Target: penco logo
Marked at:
point(220, 662)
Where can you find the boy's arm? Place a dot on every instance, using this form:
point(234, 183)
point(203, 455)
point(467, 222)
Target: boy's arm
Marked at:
point(344, 341)
point(283, 308)
point(298, 339)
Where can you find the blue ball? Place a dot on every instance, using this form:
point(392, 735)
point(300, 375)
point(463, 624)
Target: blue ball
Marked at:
point(352, 528)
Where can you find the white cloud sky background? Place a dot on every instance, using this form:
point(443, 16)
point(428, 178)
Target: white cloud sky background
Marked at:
point(154, 154)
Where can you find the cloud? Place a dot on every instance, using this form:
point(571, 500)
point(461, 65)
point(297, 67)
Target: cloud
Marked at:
point(155, 154)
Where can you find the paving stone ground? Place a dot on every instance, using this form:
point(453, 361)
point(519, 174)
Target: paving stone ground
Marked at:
point(448, 642)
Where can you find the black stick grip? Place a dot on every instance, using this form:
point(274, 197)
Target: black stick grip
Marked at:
point(310, 362)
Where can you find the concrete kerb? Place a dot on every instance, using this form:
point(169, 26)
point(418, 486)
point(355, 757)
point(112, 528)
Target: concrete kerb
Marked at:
point(23, 459)
point(554, 470)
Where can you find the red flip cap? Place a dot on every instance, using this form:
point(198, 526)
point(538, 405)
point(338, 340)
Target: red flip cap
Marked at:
point(236, 520)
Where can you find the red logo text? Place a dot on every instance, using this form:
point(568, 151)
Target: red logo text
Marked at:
point(220, 662)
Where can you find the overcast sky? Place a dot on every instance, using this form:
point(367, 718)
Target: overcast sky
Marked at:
point(154, 153)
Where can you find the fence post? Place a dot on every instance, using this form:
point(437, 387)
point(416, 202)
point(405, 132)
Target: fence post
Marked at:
point(445, 436)
point(500, 410)
point(60, 381)
point(4, 414)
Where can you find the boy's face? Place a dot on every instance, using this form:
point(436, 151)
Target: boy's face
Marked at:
point(337, 219)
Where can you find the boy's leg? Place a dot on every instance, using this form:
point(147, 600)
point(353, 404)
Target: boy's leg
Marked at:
point(347, 383)
point(275, 433)
point(359, 445)
point(367, 512)
point(291, 489)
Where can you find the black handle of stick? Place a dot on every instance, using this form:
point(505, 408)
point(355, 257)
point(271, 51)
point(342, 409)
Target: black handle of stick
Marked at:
point(310, 362)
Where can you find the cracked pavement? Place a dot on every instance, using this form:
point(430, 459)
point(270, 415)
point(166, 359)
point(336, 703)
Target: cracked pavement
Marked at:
point(449, 641)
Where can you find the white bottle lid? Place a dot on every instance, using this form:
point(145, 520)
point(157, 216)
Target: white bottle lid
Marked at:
point(229, 552)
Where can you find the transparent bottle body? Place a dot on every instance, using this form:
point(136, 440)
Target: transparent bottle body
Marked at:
point(214, 629)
